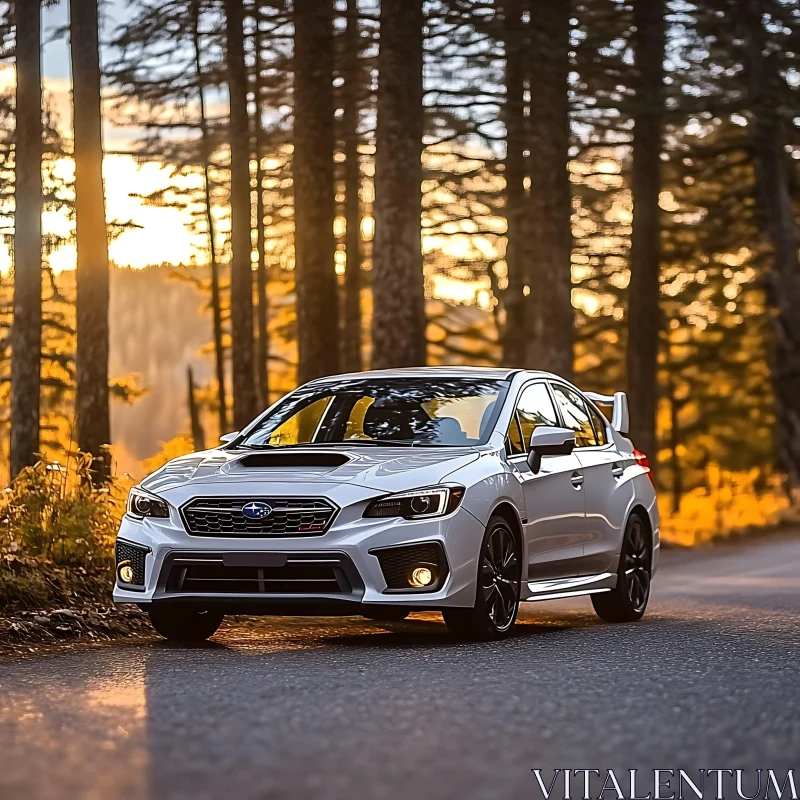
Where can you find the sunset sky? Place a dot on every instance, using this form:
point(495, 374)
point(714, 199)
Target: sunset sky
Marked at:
point(162, 236)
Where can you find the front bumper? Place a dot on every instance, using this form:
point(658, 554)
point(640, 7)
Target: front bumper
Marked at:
point(351, 542)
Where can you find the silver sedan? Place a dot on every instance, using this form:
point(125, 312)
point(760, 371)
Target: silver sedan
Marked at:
point(460, 490)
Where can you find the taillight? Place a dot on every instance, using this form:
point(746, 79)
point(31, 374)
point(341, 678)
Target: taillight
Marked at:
point(643, 461)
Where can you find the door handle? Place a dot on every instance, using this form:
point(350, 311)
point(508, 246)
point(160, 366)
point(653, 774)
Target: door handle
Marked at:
point(617, 470)
point(577, 480)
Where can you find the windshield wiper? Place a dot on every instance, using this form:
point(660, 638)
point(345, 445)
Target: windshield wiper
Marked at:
point(368, 443)
point(349, 443)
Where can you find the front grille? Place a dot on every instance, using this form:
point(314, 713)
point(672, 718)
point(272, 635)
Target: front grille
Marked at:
point(306, 575)
point(136, 556)
point(397, 562)
point(291, 516)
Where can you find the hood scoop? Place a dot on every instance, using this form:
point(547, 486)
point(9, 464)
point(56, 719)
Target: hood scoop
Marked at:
point(289, 460)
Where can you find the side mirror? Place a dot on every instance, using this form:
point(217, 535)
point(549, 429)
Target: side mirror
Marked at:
point(547, 441)
point(229, 437)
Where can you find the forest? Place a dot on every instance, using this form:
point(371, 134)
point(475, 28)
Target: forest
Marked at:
point(605, 189)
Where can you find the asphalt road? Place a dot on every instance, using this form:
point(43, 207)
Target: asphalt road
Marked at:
point(327, 708)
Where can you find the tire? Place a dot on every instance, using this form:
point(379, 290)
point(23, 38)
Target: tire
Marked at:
point(185, 623)
point(388, 614)
point(497, 589)
point(628, 601)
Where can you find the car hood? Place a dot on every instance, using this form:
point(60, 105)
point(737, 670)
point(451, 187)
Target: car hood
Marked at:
point(389, 469)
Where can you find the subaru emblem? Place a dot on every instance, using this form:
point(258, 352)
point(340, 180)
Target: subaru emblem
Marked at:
point(257, 511)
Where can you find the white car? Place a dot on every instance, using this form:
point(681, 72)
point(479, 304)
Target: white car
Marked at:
point(460, 490)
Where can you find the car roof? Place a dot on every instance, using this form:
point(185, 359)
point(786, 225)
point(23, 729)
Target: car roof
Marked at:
point(492, 373)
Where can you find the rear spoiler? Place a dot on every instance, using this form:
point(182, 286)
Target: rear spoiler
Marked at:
point(620, 416)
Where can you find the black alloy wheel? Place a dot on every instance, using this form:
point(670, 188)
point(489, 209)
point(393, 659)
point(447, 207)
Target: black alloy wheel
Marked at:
point(637, 565)
point(497, 592)
point(500, 577)
point(628, 601)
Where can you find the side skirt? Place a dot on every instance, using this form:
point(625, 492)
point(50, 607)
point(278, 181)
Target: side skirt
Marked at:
point(569, 587)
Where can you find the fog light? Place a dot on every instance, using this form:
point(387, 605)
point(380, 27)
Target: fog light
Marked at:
point(125, 572)
point(420, 577)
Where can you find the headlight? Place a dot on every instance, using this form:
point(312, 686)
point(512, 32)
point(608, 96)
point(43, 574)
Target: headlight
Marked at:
point(419, 504)
point(144, 504)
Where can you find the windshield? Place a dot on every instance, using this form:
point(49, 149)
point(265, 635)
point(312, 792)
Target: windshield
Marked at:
point(391, 411)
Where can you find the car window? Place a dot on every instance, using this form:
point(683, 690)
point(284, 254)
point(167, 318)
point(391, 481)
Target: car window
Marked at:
point(515, 437)
point(447, 411)
point(301, 427)
point(599, 426)
point(535, 408)
point(575, 415)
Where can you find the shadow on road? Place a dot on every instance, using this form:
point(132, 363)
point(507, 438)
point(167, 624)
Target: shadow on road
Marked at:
point(433, 634)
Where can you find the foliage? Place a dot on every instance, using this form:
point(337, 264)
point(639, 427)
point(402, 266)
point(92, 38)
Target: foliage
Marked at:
point(729, 503)
point(179, 446)
point(56, 534)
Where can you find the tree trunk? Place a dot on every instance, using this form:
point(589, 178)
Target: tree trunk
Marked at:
point(244, 394)
point(674, 431)
point(550, 314)
point(262, 296)
point(92, 397)
point(216, 299)
point(262, 290)
point(316, 284)
point(351, 69)
point(514, 331)
point(767, 140)
point(198, 435)
point(644, 316)
point(398, 322)
point(26, 333)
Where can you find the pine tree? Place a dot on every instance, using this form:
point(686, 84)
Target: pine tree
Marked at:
point(198, 435)
point(312, 167)
point(768, 140)
point(26, 333)
point(262, 293)
point(518, 248)
point(352, 74)
point(551, 316)
point(170, 58)
point(644, 317)
point(206, 146)
point(242, 343)
point(92, 396)
point(398, 324)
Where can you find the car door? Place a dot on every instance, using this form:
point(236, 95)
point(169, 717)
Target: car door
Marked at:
point(607, 494)
point(553, 497)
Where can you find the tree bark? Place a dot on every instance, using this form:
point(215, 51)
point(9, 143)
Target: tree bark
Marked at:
point(316, 283)
point(262, 291)
point(198, 435)
point(398, 323)
point(550, 314)
point(351, 69)
point(767, 139)
point(514, 332)
point(92, 396)
point(242, 355)
point(262, 294)
point(26, 333)
point(674, 431)
point(216, 298)
point(644, 316)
